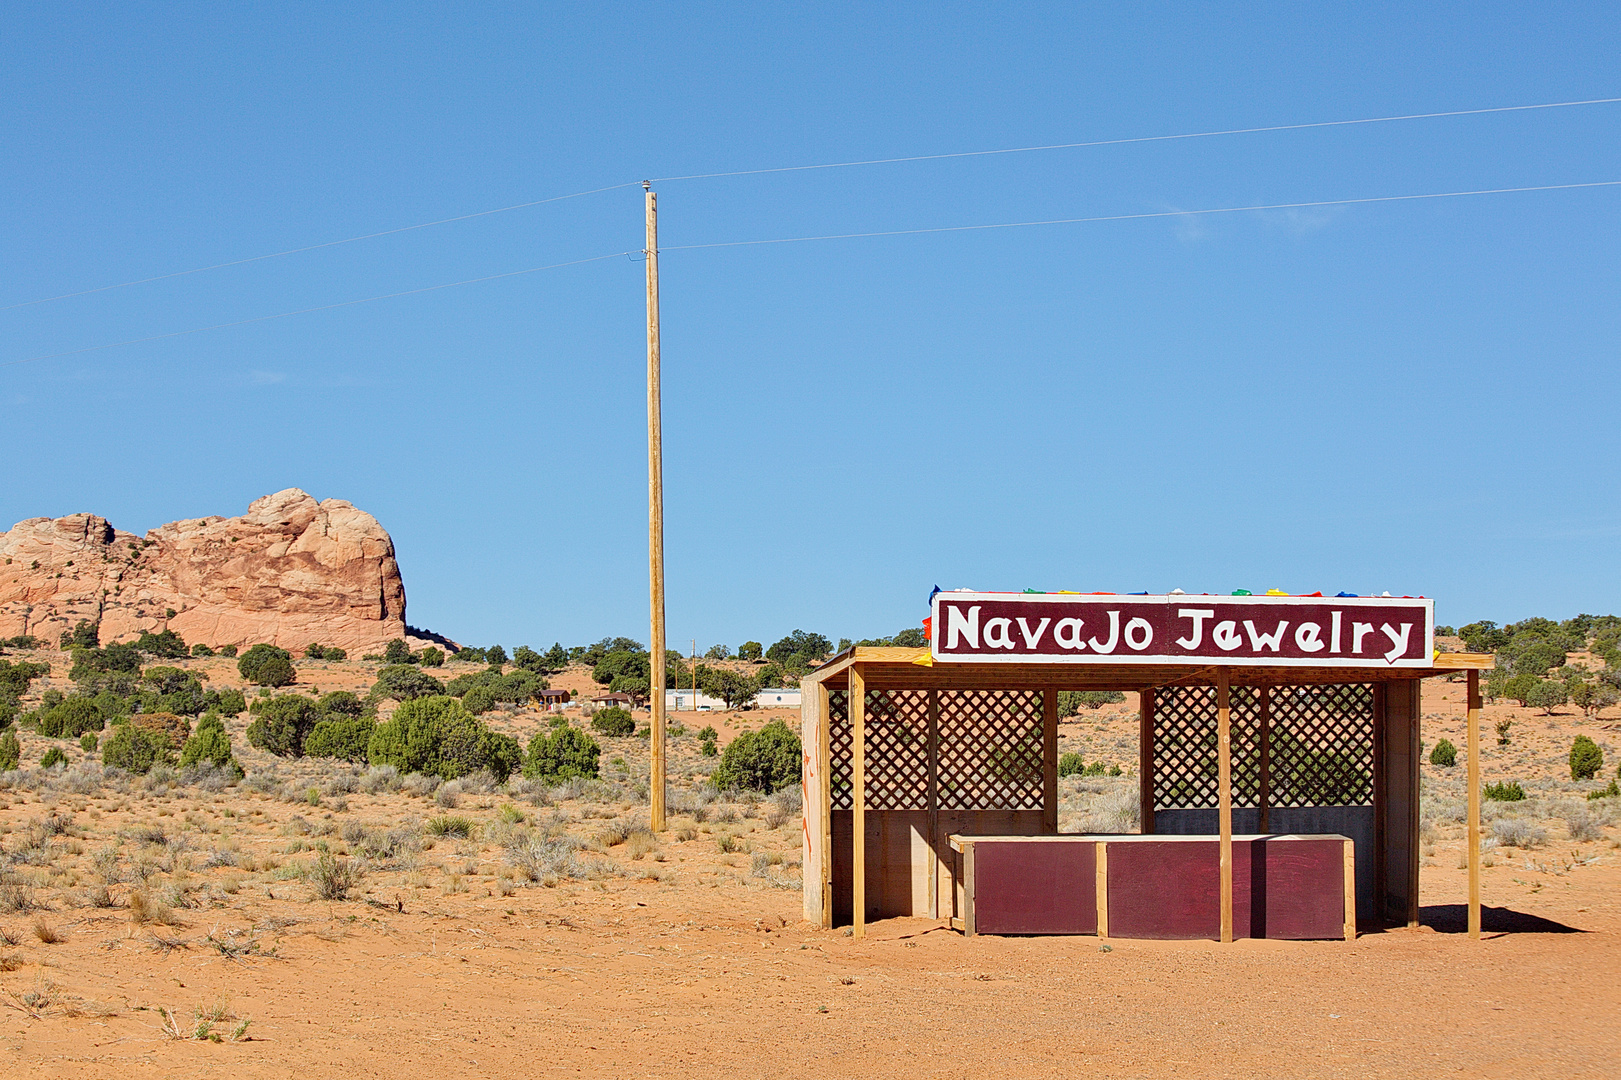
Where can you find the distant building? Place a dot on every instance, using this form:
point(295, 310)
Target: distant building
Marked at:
point(691, 701)
point(603, 701)
point(551, 699)
point(777, 697)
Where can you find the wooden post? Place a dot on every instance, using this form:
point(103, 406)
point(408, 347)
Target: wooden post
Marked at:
point(1265, 798)
point(1350, 890)
point(1049, 761)
point(824, 747)
point(1473, 720)
point(1224, 796)
point(858, 802)
point(1145, 761)
point(1103, 888)
point(655, 513)
point(934, 803)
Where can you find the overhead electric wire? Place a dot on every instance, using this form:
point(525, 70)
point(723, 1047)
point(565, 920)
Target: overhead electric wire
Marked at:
point(309, 310)
point(1317, 203)
point(808, 168)
point(1138, 139)
point(1138, 217)
point(318, 247)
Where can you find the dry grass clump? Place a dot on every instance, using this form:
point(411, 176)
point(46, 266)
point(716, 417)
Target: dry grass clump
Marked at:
point(452, 825)
point(332, 877)
point(1517, 832)
point(1584, 824)
point(45, 932)
point(16, 898)
point(144, 909)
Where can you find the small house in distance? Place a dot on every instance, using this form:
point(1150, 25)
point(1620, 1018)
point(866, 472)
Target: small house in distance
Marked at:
point(607, 701)
point(778, 697)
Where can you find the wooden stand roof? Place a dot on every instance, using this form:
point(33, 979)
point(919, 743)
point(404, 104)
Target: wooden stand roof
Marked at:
point(887, 668)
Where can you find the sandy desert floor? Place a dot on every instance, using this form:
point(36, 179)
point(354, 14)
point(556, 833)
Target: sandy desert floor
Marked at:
point(171, 926)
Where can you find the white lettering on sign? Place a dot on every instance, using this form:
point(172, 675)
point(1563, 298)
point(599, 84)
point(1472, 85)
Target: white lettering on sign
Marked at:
point(1032, 640)
point(1139, 634)
point(1265, 641)
point(1137, 628)
point(1398, 642)
point(958, 626)
point(1114, 635)
point(1198, 615)
point(999, 633)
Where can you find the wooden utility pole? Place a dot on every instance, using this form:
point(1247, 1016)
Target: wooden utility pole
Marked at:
point(655, 511)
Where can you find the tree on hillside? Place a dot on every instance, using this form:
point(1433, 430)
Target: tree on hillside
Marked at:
point(749, 650)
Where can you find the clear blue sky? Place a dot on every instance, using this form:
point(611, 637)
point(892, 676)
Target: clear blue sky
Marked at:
point(1414, 396)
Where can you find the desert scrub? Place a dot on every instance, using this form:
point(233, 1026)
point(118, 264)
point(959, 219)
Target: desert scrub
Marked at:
point(1583, 824)
point(763, 760)
point(451, 825)
point(332, 877)
point(1585, 758)
point(1509, 791)
point(1444, 754)
point(1517, 832)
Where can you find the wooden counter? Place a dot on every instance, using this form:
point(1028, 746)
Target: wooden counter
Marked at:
point(1284, 886)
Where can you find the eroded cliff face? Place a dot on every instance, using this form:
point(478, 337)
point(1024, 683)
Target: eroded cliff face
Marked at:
point(289, 572)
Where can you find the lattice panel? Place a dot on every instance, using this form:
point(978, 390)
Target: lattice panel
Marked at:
point(1321, 751)
point(990, 750)
point(1322, 745)
point(897, 726)
point(990, 755)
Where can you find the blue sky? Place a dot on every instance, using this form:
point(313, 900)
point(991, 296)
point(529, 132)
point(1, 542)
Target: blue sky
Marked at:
point(1412, 396)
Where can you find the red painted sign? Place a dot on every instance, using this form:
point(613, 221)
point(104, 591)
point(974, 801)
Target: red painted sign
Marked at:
point(1266, 631)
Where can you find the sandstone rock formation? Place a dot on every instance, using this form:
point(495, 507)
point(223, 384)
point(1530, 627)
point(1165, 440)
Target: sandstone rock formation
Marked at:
point(290, 571)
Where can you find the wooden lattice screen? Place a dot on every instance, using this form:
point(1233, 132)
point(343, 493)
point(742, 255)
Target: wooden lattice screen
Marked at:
point(989, 754)
point(1320, 744)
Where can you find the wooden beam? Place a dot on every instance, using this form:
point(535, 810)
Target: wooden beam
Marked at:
point(858, 803)
point(1049, 761)
point(968, 927)
point(1473, 742)
point(1224, 796)
point(1145, 761)
point(1350, 890)
point(825, 793)
point(1381, 802)
point(934, 803)
point(1103, 888)
point(1265, 797)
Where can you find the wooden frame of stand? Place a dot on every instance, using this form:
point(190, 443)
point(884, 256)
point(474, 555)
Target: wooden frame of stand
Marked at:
point(899, 861)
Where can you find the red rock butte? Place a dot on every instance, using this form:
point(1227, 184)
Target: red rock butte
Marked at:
point(290, 571)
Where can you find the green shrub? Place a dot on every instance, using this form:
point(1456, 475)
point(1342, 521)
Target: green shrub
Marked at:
point(614, 721)
point(266, 665)
point(763, 760)
point(16, 678)
point(403, 682)
point(228, 650)
point(282, 724)
point(86, 635)
point(53, 757)
point(1611, 792)
point(479, 699)
point(451, 825)
point(70, 719)
point(431, 657)
point(397, 652)
point(335, 654)
point(231, 703)
point(166, 645)
point(1444, 754)
point(346, 738)
point(134, 749)
point(200, 649)
point(208, 743)
point(89, 741)
point(1503, 792)
point(1070, 764)
point(708, 748)
point(1547, 695)
point(565, 753)
point(11, 751)
point(339, 703)
point(1585, 758)
point(437, 736)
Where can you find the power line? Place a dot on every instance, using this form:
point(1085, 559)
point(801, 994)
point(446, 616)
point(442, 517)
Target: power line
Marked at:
point(309, 310)
point(807, 168)
point(1139, 139)
point(316, 247)
point(1139, 217)
point(835, 236)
